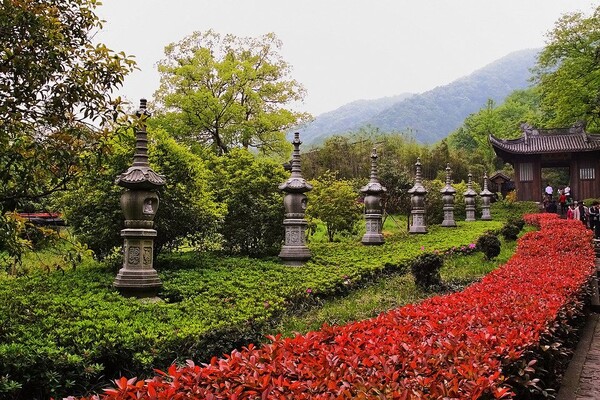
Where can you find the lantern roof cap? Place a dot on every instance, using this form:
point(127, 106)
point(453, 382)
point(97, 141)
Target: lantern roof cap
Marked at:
point(296, 183)
point(140, 176)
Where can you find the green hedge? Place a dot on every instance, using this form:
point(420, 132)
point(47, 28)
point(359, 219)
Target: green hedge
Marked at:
point(68, 333)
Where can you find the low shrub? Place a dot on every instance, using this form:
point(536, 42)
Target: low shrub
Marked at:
point(426, 270)
point(69, 332)
point(462, 345)
point(489, 244)
point(510, 231)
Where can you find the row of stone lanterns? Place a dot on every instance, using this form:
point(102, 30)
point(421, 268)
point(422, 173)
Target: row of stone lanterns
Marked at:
point(419, 193)
point(140, 201)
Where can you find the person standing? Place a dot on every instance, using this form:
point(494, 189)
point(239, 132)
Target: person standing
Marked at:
point(549, 192)
point(562, 200)
point(594, 216)
point(581, 213)
point(571, 211)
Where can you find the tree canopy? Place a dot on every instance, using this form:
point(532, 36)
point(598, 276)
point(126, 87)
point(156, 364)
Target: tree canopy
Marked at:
point(228, 92)
point(56, 95)
point(568, 71)
point(55, 89)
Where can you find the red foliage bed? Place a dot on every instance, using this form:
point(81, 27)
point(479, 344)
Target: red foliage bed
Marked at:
point(452, 346)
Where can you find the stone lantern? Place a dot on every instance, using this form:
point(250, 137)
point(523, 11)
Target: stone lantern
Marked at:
point(373, 207)
point(139, 203)
point(486, 198)
point(470, 195)
point(294, 251)
point(417, 201)
point(448, 193)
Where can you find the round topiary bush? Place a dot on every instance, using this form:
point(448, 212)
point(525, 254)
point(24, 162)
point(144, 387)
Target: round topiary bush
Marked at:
point(489, 244)
point(519, 222)
point(510, 231)
point(426, 270)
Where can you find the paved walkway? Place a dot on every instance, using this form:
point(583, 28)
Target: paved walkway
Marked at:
point(582, 378)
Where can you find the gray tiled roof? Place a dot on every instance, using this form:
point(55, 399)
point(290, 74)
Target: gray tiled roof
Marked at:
point(537, 141)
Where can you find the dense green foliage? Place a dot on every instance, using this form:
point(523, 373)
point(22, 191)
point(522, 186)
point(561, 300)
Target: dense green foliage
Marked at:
point(396, 289)
point(74, 330)
point(426, 270)
point(335, 203)
point(511, 229)
point(490, 245)
point(568, 71)
point(53, 82)
point(502, 121)
point(187, 211)
point(227, 92)
point(248, 187)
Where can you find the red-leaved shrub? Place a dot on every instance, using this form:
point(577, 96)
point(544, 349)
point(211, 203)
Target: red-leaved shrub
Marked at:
point(451, 346)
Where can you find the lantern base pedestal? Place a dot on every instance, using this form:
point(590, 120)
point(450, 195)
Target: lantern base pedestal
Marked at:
point(135, 283)
point(418, 223)
point(138, 278)
point(449, 221)
point(486, 216)
point(294, 252)
point(449, 224)
point(294, 255)
point(371, 239)
point(373, 236)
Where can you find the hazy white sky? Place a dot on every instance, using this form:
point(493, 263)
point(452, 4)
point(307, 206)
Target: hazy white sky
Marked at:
point(342, 50)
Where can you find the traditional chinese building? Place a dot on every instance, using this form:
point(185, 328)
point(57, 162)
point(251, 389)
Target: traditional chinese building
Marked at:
point(552, 148)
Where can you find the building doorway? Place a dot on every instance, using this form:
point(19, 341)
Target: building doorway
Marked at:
point(558, 178)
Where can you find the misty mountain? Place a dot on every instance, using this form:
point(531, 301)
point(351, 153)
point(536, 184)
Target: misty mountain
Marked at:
point(434, 114)
point(347, 118)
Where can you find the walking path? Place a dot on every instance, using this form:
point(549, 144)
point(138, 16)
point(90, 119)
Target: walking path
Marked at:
point(582, 379)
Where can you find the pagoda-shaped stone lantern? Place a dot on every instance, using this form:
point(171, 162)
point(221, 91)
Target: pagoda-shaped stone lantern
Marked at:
point(448, 193)
point(139, 204)
point(417, 201)
point(486, 199)
point(470, 195)
point(294, 251)
point(373, 207)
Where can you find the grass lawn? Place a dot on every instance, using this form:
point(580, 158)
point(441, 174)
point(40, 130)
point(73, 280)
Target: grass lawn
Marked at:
point(394, 290)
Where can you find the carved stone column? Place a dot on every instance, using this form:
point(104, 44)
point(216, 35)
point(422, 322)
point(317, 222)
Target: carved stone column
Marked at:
point(373, 207)
point(486, 198)
point(470, 195)
point(294, 251)
point(417, 201)
point(448, 194)
point(139, 204)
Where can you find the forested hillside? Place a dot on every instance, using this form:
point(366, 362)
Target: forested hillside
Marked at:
point(432, 115)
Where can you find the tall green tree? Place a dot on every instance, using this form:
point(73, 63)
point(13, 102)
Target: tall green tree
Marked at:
point(568, 71)
point(55, 101)
point(55, 89)
point(228, 92)
point(187, 212)
point(470, 141)
point(247, 185)
point(334, 201)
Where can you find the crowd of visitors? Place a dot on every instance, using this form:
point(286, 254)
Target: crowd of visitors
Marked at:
point(571, 209)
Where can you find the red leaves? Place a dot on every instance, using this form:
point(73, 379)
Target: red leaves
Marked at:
point(445, 347)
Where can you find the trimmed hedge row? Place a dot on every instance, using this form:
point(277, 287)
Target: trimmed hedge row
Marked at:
point(455, 346)
point(70, 332)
